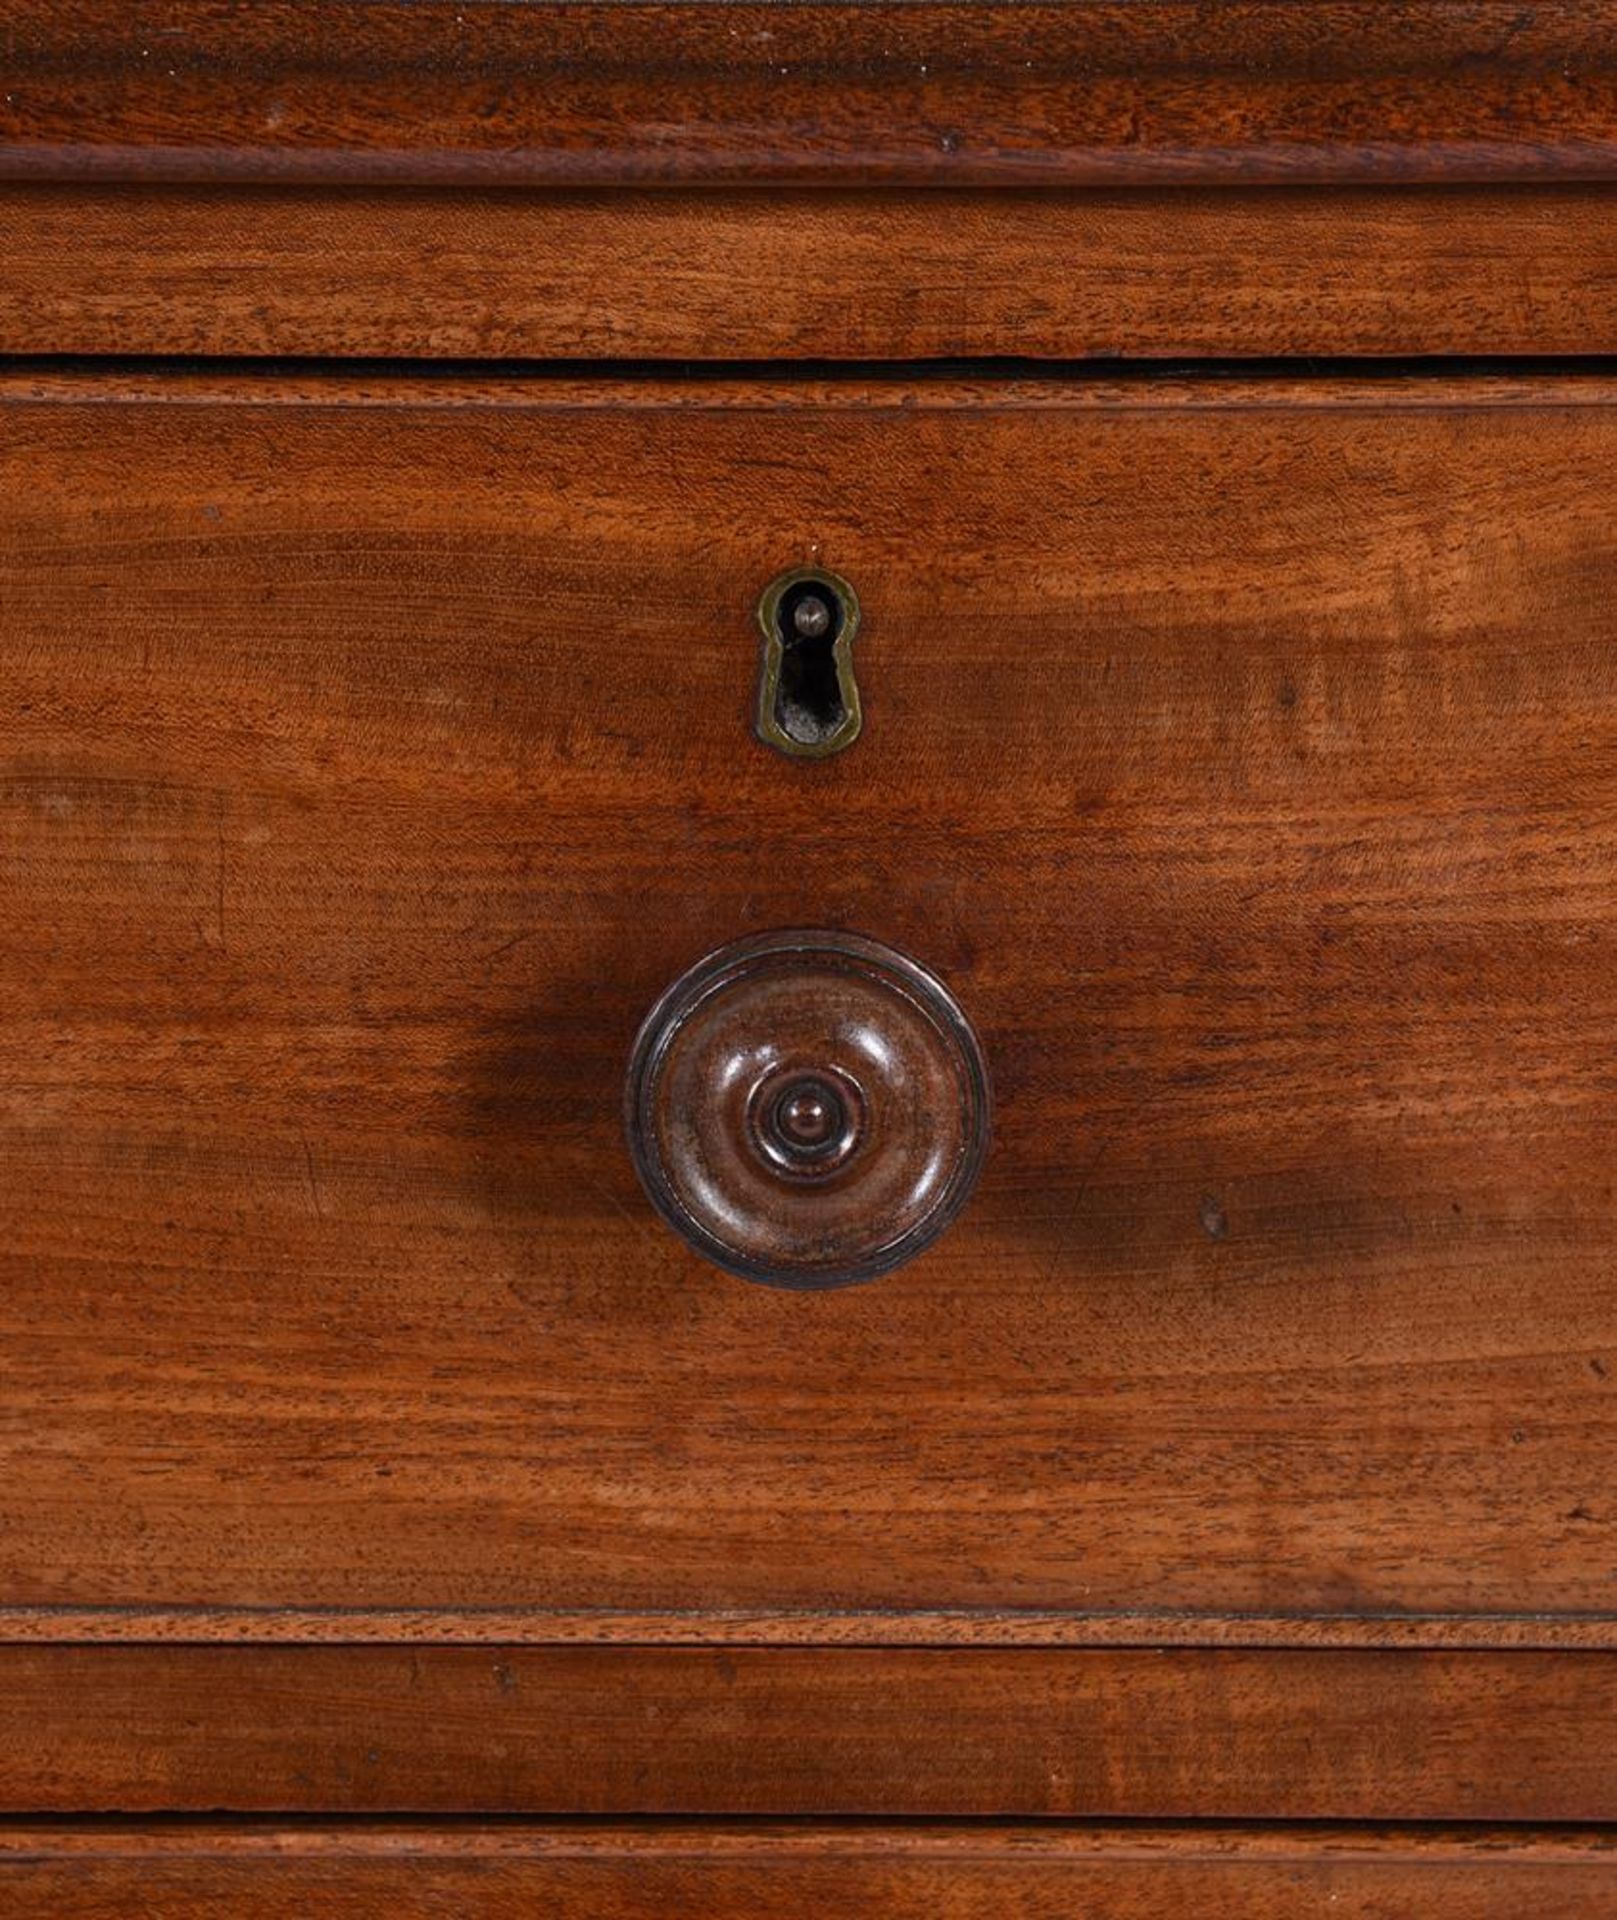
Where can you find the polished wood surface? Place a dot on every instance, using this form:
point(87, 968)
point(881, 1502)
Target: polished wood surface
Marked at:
point(380, 1480)
point(504, 91)
point(727, 1872)
point(723, 276)
point(376, 755)
point(1137, 1734)
point(711, 1626)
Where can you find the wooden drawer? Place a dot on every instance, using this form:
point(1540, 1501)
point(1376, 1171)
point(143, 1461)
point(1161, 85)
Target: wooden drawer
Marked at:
point(717, 275)
point(779, 1873)
point(423, 179)
point(645, 476)
point(757, 1731)
point(1242, 755)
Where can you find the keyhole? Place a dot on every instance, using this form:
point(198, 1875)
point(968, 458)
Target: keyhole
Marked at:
point(809, 702)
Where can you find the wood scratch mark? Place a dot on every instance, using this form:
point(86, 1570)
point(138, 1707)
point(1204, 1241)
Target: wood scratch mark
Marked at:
point(315, 1199)
point(1068, 1230)
point(516, 940)
point(219, 903)
point(641, 1225)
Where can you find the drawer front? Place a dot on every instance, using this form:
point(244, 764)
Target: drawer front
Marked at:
point(898, 1732)
point(1242, 757)
point(719, 275)
point(763, 1873)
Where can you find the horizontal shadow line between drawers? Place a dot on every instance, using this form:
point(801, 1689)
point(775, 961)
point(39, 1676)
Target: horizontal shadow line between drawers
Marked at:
point(787, 371)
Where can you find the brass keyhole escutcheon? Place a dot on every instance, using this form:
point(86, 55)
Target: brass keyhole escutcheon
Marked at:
point(808, 698)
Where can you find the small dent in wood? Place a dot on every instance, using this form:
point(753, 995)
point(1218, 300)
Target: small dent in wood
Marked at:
point(1215, 1222)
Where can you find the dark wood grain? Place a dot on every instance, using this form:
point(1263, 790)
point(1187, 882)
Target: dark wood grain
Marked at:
point(1147, 1734)
point(703, 1872)
point(881, 275)
point(436, 91)
point(1244, 755)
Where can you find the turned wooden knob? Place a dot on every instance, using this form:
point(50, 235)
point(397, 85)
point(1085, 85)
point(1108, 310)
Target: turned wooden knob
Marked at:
point(807, 1109)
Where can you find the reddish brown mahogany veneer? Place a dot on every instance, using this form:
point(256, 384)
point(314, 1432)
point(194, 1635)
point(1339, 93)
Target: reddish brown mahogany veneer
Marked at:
point(508, 1871)
point(716, 276)
point(402, 688)
point(380, 751)
point(899, 1732)
point(1108, 92)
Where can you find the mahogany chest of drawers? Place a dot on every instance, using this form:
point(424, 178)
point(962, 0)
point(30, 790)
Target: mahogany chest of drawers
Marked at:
point(808, 959)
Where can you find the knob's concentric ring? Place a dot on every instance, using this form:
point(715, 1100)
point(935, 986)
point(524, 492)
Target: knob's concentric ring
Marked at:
point(807, 1108)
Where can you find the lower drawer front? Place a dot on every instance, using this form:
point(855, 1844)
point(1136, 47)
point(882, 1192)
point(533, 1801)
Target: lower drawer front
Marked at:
point(756, 1732)
point(760, 1873)
point(1244, 757)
